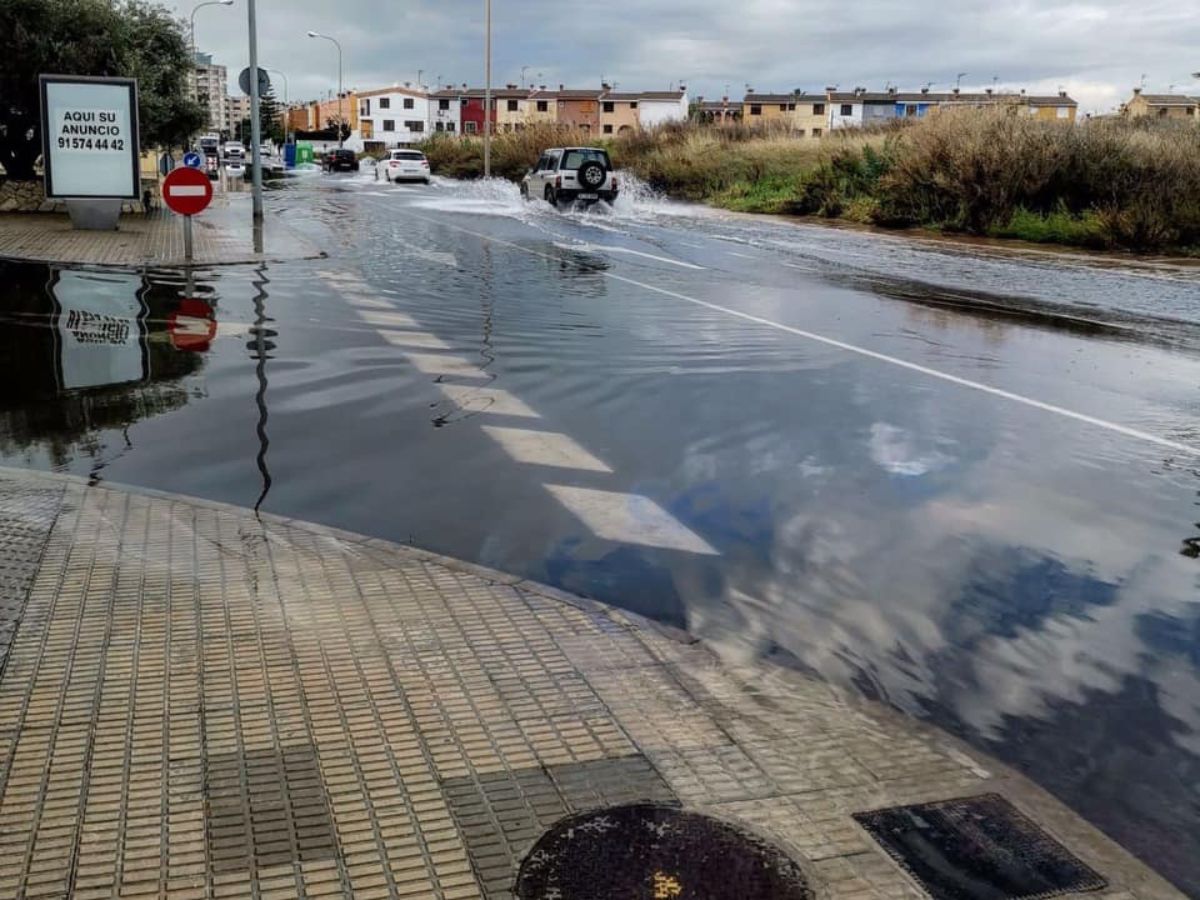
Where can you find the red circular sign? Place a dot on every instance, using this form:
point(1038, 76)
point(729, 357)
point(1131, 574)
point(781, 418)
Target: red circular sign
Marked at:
point(192, 325)
point(186, 191)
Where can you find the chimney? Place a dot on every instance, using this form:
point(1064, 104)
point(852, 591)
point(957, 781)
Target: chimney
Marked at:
point(892, 91)
point(541, 87)
point(924, 90)
point(604, 85)
point(562, 87)
point(988, 92)
point(683, 88)
point(1136, 91)
point(956, 92)
point(749, 90)
point(1060, 93)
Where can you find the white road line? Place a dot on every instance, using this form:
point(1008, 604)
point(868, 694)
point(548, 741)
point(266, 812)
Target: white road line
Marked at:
point(369, 302)
point(629, 519)
point(420, 339)
point(486, 400)
point(544, 448)
point(604, 248)
point(1115, 427)
point(437, 364)
point(387, 319)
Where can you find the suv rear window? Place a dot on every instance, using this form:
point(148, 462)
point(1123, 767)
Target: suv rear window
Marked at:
point(408, 154)
point(576, 158)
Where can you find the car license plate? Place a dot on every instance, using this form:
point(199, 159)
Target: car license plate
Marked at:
point(589, 196)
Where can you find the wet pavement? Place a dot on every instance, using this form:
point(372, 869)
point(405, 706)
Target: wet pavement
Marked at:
point(744, 427)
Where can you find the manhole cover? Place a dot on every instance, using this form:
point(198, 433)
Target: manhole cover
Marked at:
point(650, 852)
point(978, 848)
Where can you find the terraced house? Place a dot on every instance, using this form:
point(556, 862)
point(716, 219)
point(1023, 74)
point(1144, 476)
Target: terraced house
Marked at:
point(1162, 106)
point(618, 112)
point(392, 117)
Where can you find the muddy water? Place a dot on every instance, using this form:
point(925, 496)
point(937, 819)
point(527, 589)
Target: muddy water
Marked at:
point(1025, 579)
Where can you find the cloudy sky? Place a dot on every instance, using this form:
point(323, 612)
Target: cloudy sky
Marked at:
point(1096, 49)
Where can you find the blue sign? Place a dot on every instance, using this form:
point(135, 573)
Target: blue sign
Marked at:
point(192, 159)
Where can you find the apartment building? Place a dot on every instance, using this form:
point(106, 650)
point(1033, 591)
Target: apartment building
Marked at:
point(237, 110)
point(210, 84)
point(390, 117)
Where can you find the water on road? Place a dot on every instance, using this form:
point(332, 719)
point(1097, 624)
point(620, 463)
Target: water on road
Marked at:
point(963, 480)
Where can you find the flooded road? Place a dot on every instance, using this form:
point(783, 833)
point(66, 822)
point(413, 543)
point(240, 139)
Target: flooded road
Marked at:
point(960, 481)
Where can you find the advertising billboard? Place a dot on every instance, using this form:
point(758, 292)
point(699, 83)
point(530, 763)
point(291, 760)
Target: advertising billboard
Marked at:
point(90, 137)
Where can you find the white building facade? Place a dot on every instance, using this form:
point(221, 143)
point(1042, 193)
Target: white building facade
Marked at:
point(445, 112)
point(660, 107)
point(393, 117)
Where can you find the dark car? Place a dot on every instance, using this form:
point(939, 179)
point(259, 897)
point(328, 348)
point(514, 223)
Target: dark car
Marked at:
point(340, 160)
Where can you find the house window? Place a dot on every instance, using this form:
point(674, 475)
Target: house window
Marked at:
point(512, 105)
point(469, 127)
point(783, 107)
point(416, 126)
point(443, 104)
point(818, 109)
point(633, 104)
point(791, 107)
point(847, 109)
point(608, 129)
point(816, 132)
point(450, 126)
point(389, 124)
point(1063, 112)
point(755, 109)
point(609, 106)
point(910, 110)
point(385, 103)
point(364, 108)
point(439, 126)
point(408, 103)
point(543, 106)
point(799, 132)
point(1162, 112)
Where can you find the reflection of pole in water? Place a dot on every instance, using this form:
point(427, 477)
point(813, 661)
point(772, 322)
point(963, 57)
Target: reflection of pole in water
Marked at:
point(259, 347)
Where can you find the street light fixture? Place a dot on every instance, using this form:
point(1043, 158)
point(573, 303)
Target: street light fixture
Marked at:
point(341, 118)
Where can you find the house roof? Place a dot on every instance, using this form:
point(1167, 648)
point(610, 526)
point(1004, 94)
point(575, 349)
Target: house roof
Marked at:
point(1051, 100)
point(446, 93)
point(662, 95)
point(1170, 99)
point(376, 92)
point(719, 105)
point(621, 96)
point(579, 95)
point(769, 98)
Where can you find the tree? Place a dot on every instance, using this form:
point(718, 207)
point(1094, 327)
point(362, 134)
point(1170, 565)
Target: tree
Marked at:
point(271, 116)
point(334, 121)
point(129, 38)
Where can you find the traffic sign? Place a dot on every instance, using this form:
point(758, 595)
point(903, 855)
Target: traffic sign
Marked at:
point(192, 159)
point(192, 326)
point(264, 81)
point(187, 191)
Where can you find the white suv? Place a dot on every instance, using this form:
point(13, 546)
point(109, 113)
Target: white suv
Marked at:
point(568, 174)
point(405, 165)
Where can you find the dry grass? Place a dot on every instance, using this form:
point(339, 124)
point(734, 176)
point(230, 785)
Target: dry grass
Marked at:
point(1115, 183)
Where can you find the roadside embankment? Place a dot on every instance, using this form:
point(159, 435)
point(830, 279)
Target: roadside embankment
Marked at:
point(1111, 184)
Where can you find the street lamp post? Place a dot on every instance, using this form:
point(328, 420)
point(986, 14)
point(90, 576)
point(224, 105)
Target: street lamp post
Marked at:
point(341, 118)
point(487, 90)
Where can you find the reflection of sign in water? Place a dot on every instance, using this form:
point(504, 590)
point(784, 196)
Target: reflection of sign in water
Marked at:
point(100, 326)
point(192, 326)
point(90, 137)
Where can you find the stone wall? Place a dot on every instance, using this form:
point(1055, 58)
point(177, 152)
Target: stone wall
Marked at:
point(26, 196)
point(30, 196)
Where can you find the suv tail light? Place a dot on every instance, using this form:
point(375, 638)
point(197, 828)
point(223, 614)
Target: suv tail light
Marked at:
point(424, 164)
point(614, 182)
point(558, 181)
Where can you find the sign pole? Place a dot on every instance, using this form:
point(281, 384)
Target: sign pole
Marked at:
point(187, 238)
point(255, 124)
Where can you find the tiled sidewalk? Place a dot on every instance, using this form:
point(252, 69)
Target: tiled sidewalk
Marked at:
point(198, 702)
point(222, 234)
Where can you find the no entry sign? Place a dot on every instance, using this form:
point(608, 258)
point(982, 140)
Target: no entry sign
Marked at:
point(187, 191)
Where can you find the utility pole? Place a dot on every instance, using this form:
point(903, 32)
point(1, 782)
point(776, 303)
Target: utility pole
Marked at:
point(487, 90)
point(255, 123)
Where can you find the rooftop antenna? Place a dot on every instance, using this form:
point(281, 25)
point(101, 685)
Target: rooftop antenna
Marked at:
point(929, 84)
point(995, 80)
point(1143, 85)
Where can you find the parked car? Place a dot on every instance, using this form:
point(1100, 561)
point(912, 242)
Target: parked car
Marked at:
point(405, 165)
point(570, 174)
point(340, 160)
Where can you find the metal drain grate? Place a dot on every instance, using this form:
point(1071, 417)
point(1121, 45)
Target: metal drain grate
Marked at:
point(267, 808)
point(651, 851)
point(978, 848)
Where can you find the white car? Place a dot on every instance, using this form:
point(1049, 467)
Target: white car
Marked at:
point(571, 175)
point(233, 151)
point(405, 165)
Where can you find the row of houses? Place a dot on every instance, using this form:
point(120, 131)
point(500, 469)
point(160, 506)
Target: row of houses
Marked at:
point(405, 114)
point(812, 115)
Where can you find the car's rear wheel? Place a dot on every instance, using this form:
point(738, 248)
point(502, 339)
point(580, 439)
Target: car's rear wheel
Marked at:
point(550, 197)
point(591, 175)
point(524, 191)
